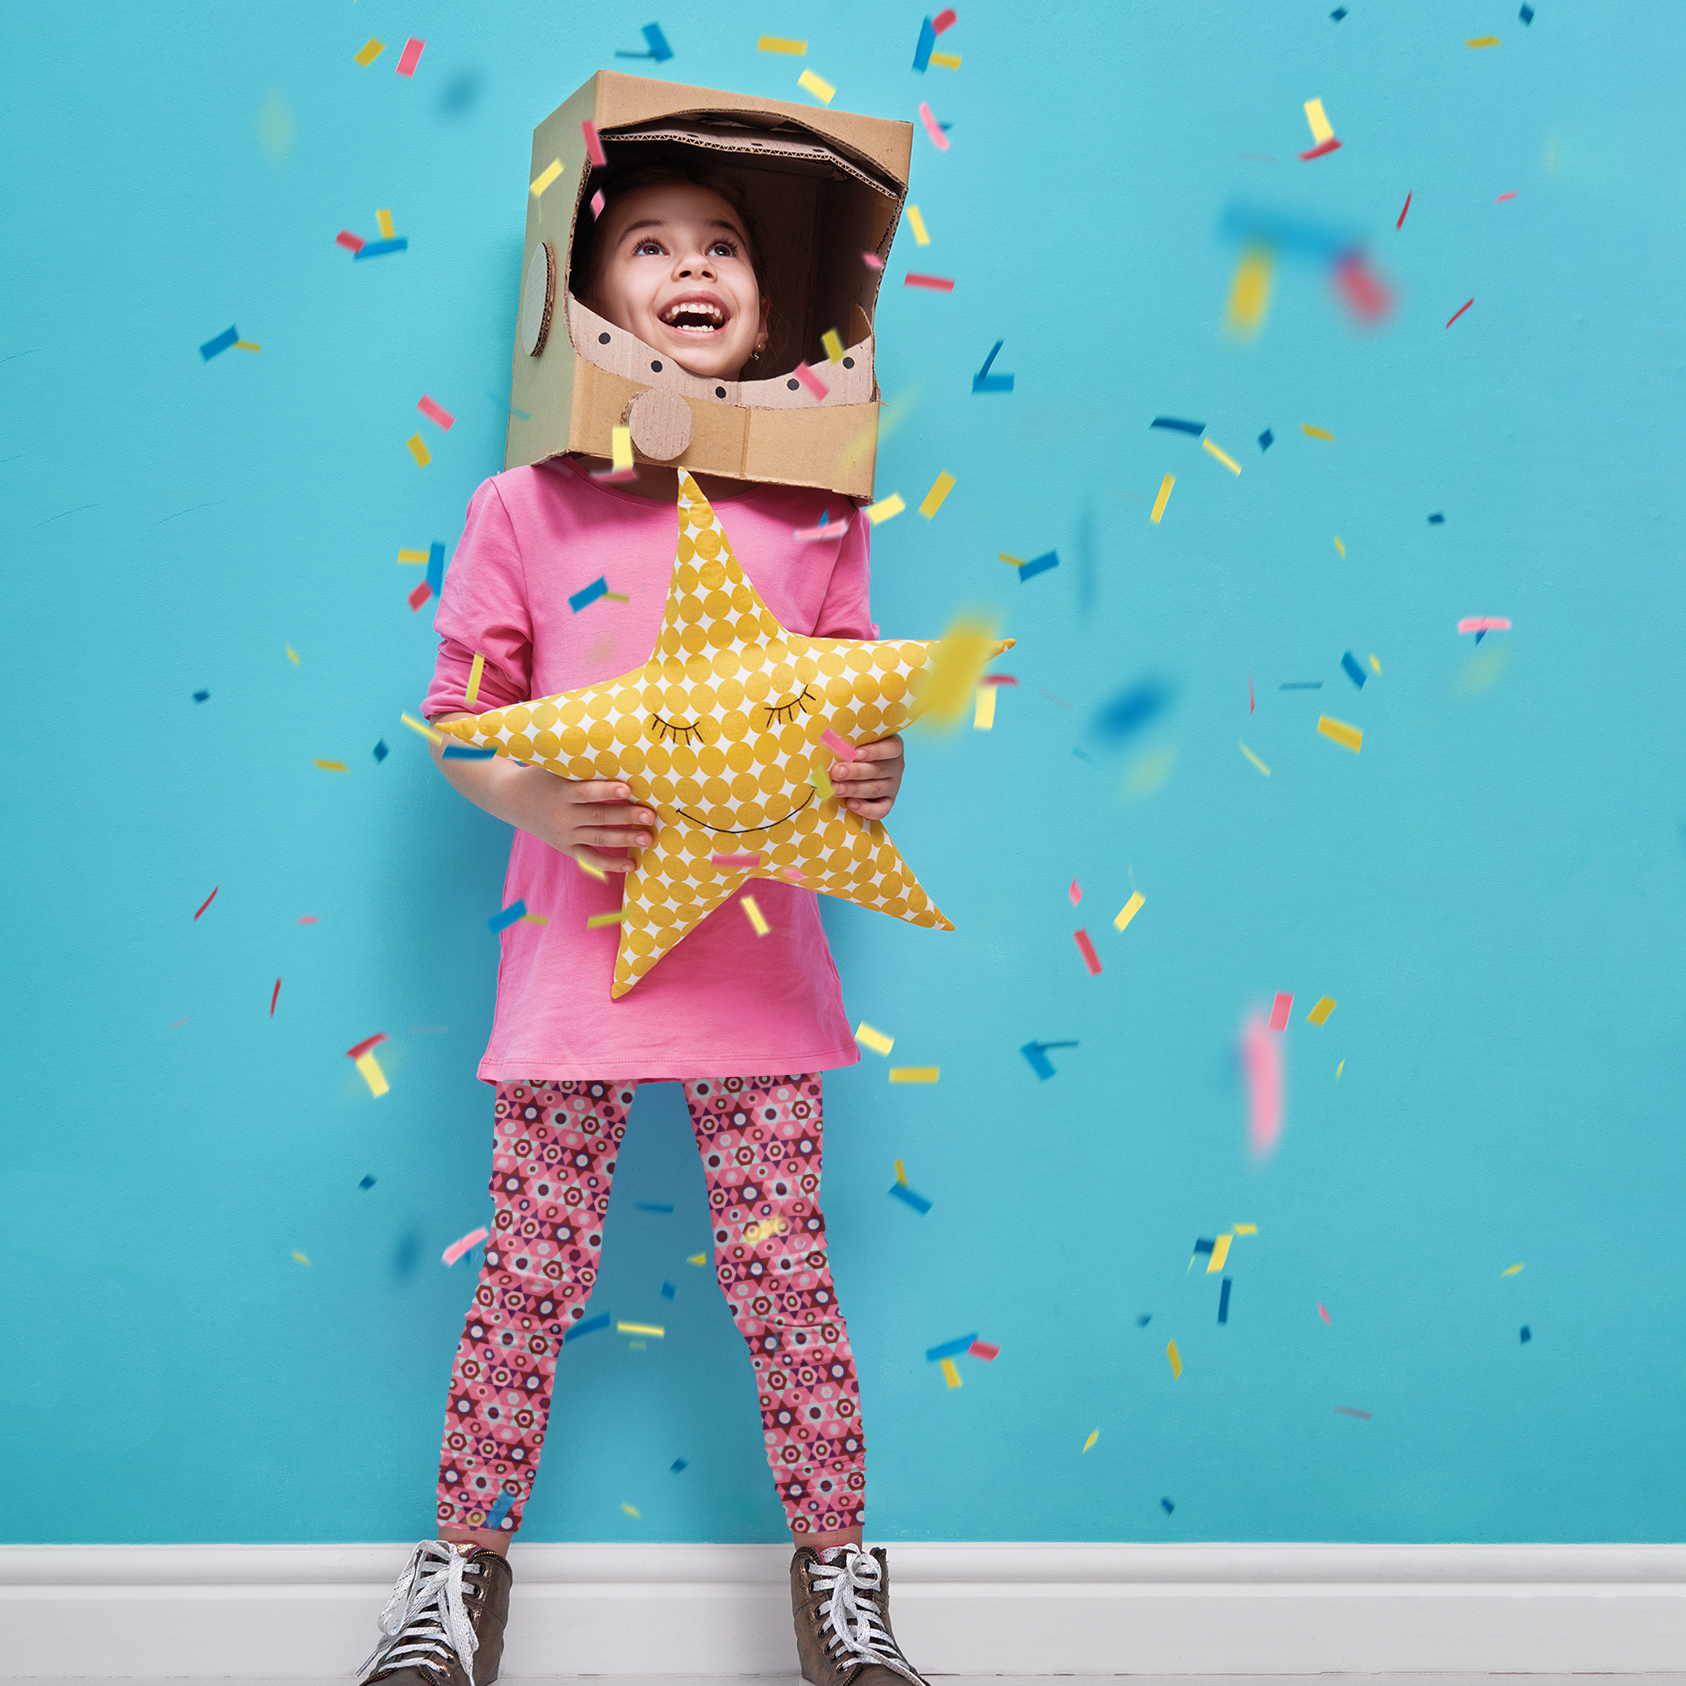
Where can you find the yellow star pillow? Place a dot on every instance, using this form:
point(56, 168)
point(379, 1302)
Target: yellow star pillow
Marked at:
point(720, 733)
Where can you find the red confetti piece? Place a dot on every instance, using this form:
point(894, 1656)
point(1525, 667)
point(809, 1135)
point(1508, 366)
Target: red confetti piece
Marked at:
point(593, 146)
point(1087, 950)
point(274, 998)
point(1279, 1012)
point(420, 595)
point(1457, 313)
point(872, 260)
point(434, 414)
point(1324, 1314)
point(365, 1045)
point(351, 242)
point(1503, 197)
point(945, 20)
point(1401, 222)
point(983, 1350)
point(811, 381)
point(307, 919)
point(937, 283)
point(998, 679)
point(1249, 693)
point(207, 901)
point(1321, 151)
point(410, 57)
point(1364, 294)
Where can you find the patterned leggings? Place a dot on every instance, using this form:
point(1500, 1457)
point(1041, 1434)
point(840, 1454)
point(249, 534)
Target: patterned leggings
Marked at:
point(553, 1161)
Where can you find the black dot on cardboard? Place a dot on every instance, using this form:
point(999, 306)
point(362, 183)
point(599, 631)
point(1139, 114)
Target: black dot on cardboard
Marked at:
point(602, 339)
point(848, 362)
point(657, 366)
point(793, 384)
point(720, 392)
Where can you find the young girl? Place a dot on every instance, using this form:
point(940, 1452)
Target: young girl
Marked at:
point(676, 262)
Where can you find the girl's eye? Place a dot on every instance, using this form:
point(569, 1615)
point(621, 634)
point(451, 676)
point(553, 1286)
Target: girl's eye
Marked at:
point(802, 703)
point(644, 246)
point(723, 248)
point(668, 731)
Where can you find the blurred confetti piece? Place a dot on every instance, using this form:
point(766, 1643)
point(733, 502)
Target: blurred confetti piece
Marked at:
point(1087, 949)
point(655, 1330)
point(434, 413)
point(631, 1510)
point(1348, 1411)
point(1483, 623)
point(1320, 1013)
point(932, 283)
point(752, 912)
point(1175, 424)
point(207, 901)
point(333, 766)
point(213, 348)
point(677, 1465)
point(983, 710)
point(413, 555)
point(1091, 1440)
point(697, 1259)
point(840, 747)
point(1458, 312)
point(597, 921)
point(276, 996)
point(820, 779)
point(949, 61)
point(949, 1348)
point(947, 682)
point(941, 487)
point(872, 260)
point(371, 1072)
point(1261, 1061)
point(1339, 1069)
point(983, 1350)
point(369, 52)
point(731, 863)
point(932, 127)
point(1254, 759)
point(833, 343)
point(1527, 1334)
point(1176, 1359)
point(301, 1258)
point(1075, 892)
point(917, 1201)
point(1483, 41)
point(384, 218)
point(1249, 292)
point(1220, 1252)
point(917, 223)
point(1324, 1314)
point(508, 916)
point(1342, 549)
point(426, 731)
point(1129, 911)
point(1512, 1271)
point(1228, 461)
point(593, 144)
point(951, 1375)
point(494, 1517)
point(1164, 497)
point(1338, 731)
point(410, 57)
point(1402, 210)
point(915, 1073)
point(457, 1248)
point(781, 44)
point(420, 595)
point(418, 450)
point(815, 386)
point(367, 1182)
point(1279, 1011)
point(1316, 432)
point(1223, 1302)
point(901, 1175)
point(1350, 665)
point(597, 203)
point(821, 89)
point(885, 508)
point(1320, 127)
point(1246, 1229)
point(545, 177)
point(476, 668)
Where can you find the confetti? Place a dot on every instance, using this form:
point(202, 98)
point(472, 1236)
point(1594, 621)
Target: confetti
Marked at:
point(914, 1073)
point(534, 918)
point(820, 779)
point(753, 913)
point(589, 594)
point(821, 89)
point(652, 1329)
point(1223, 1302)
point(917, 1201)
point(781, 44)
point(983, 710)
point(1526, 14)
point(1091, 1440)
point(457, 1248)
point(677, 1465)
point(598, 920)
point(949, 61)
point(1503, 197)
point(1527, 1334)
point(434, 413)
point(1037, 1054)
point(1254, 759)
point(825, 530)
point(1249, 292)
point(810, 380)
point(1175, 425)
point(833, 343)
point(1512, 1271)
point(901, 1175)
point(301, 1258)
point(1280, 1009)
point(1087, 950)
point(593, 144)
point(384, 218)
point(420, 595)
point(731, 863)
point(1457, 313)
point(933, 283)
point(1320, 127)
point(1075, 893)
point(1266, 440)
point(212, 348)
point(407, 556)
point(1176, 1360)
point(247, 345)
point(1164, 497)
point(1348, 1411)
point(476, 668)
point(207, 901)
point(1321, 1312)
point(544, 178)
point(1228, 461)
point(1038, 565)
point(1166, 1506)
point(1350, 666)
point(631, 1510)
point(655, 43)
point(872, 260)
point(1342, 549)
point(509, 916)
point(697, 1259)
point(918, 224)
point(369, 52)
point(410, 57)
point(950, 1349)
point(426, 731)
point(367, 1182)
point(840, 747)
point(589, 1327)
point(1340, 732)
point(941, 487)
point(879, 512)
point(418, 450)
point(983, 1350)
point(654, 1206)
point(1320, 1013)
point(1483, 41)
point(597, 203)
point(1261, 1059)
point(1316, 432)
point(1402, 210)
point(274, 998)
point(1339, 1069)
point(1129, 911)
point(379, 248)
point(1246, 1229)
point(950, 1374)
point(333, 766)
point(932, 127)
point(351, 242)
point(984, 381)
point(1220, 1252)
point(1483, 623)
point(370, 1070)
point(495, 1516)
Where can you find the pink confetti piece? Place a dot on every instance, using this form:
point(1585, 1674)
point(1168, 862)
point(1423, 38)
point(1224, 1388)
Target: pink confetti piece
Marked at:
point(811, 381)
point(983, 1350)
point(840, 747)
point(872, 260)
point(934, 283)
point(1261, 1059)
point(351, 242)
point(794, 873)
point(410, 57)
point(1075, 892)
point(434, 414)
point(1348, 1411)
point(1483, 623)
point(1321, 1312)
point(945, 20)
point(457, 1248)
point(274, 998)
point(1087, 950)
point(597, 203)
point(733, 863)
point(593, 145)
point(998, 679)
point(933, 128)
point(825, 530)
point(1280, 1009)
point(1503, 197)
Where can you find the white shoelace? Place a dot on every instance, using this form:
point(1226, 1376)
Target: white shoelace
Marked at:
point(852, 1614)
point(425, 1619)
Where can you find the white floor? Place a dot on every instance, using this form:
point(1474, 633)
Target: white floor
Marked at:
point(1669, 1679)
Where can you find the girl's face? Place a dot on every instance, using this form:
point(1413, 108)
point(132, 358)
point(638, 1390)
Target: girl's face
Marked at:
point(676, 272)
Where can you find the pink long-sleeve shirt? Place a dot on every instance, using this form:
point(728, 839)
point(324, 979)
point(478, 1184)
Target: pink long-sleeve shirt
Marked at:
point(724, 1002)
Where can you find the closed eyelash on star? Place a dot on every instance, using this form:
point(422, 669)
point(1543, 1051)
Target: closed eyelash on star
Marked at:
point(786, 712)
point(669, 732)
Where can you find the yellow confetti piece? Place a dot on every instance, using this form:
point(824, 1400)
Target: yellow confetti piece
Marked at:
point(949, 678)
point(426, 731)
point(821, 89)
point(1316, 432)
point(754, 914)
point(332, 766)
point(949, 61)
point(592, 871)
point(1175, 1358)
point(598, 920)
point(384, 218)
point(781, 44)
point(1150, 772)
point(943, 485)
point(631, 1511)
point(412, 556)
point(1339, 546)
point(620, 447)
point(1512, 1271)
point(1164, 497)
point(763, 1231)
point(1228, 461)
point(475, 670)
point(1220, 1252)
point(1091, 1440)
point(697, 1259)
point(1249, 292)
point(1320, 130)
point(950, 1374)
point(1340, 732)
point(418, 450)
point(901, 1175)
point(292, 655)
point(544, 178)
point(370, 1068)
point(1483, 41)
point(885, 508)
point(535, 919)
point(301, 1258)
point(820, 779)
point(917, 223)
point(247, 345)
point(1339, 1069)
point(1015, 561)
point(1129, 911)
point(983, 711)
point(876, 1040)
point(1375, 664)
point(1246, 1229)
point(1320, 1013)
point(369, 52)
point(1254, 759)
point(833, 343)
point(641, 1329)
point(615, 597)
point(914, 1073)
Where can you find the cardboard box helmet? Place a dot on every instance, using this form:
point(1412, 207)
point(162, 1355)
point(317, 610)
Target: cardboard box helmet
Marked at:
point(823, 187)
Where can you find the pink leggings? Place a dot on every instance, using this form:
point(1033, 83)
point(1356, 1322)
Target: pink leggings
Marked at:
point(553, 1161)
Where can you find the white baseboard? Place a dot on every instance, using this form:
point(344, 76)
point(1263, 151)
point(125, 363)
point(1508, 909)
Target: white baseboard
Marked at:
point(308, 1612)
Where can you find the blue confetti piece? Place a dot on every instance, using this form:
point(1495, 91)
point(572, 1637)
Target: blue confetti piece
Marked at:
point(1142, 1322)
point(379, 248)
point(436, 567)
point(367, 1182)
point(927, 41)
point(1039, 1061)
point(653, 1206)
point(668, 1290)
point(466, 752)
point(1338, 13)
point(1353, 671)
point(588, 594)
point(1526, 14)
point(213, 348)
point(1130, 710)
point(509, 916)
point(984, 381)
point(1039, 565)
point(1266, 440)
point(1437, 520)
point(1223, 1302)
point(1166, 1506)
point(1302, 685)
point(950, 1349)
point(1527, 1334)
point(499, 1511)
point(1203, 1246)
point(659, 49)
point(381, 752)
point(589, 1327)
point(1194, 428)
point(677, 1465)
point(917, 1201)
point(201, 696)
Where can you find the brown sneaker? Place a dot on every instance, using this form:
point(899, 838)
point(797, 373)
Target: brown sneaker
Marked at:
point(443, 1624)
point(842, 1603)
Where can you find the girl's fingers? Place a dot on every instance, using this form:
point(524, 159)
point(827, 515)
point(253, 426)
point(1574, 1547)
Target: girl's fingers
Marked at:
point(603, 863)
point(607, 838)
point(870, 810)
point(872, 790)
point(600, 790)
point(604, 814)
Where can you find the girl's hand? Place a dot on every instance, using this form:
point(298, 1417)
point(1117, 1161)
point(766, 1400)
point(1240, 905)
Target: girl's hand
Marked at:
point(868, 785)
point(583, 817)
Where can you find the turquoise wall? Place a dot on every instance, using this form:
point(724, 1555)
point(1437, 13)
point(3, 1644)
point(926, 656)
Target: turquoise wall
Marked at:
point(1492, 889)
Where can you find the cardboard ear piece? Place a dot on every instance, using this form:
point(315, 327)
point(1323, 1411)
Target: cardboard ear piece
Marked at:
point(824, 187)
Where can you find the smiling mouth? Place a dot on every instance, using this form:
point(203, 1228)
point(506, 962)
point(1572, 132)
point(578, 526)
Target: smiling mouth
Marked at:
point(748, 829)
point(694, 318)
